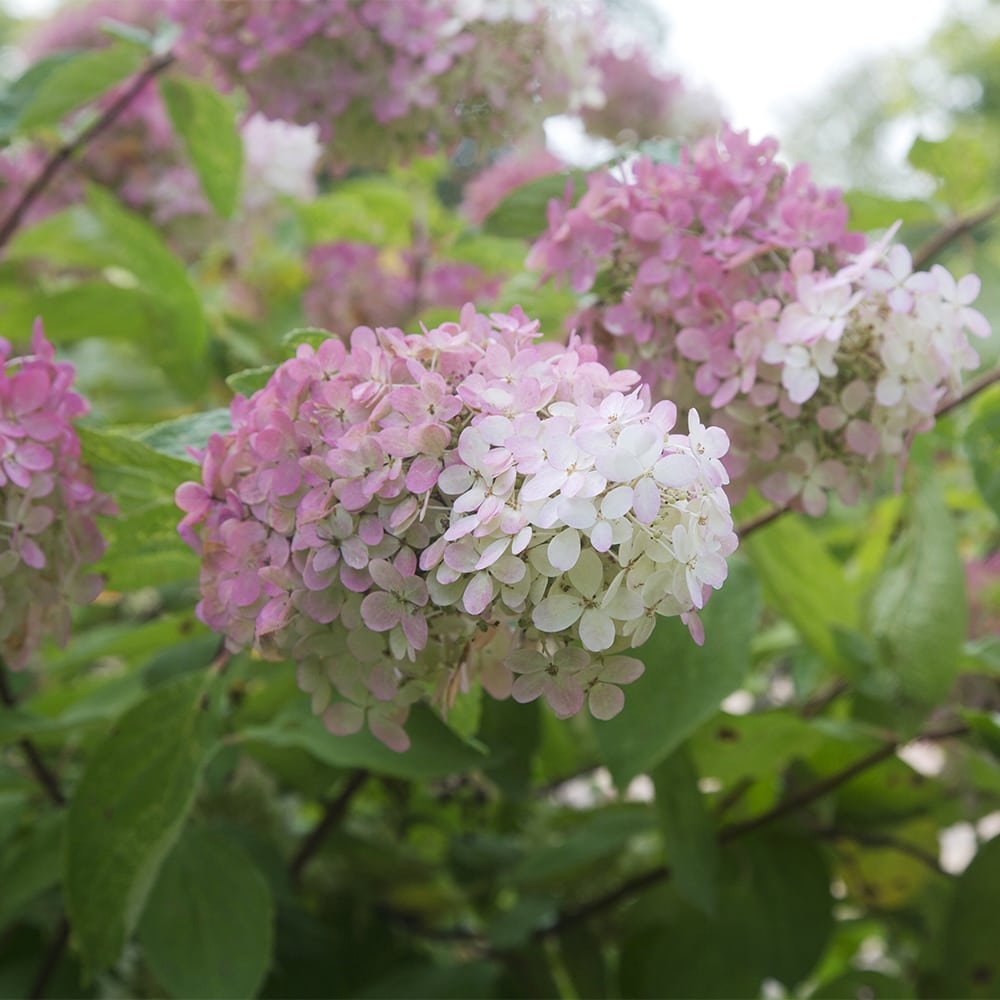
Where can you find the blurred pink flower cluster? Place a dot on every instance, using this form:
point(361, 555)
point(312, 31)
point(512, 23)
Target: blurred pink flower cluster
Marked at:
point(48, 533)
point(357, 284)
point(385, 79)
point(409, 513)
point(732, 283)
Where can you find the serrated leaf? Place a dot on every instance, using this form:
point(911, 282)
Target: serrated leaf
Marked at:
point(175, 437)
point(127, 813)
point(683, 683)
point(78, 81)
point(205, 121)
point(207, 929)
point(435, 751)
point(918, 612)
point(688, 830)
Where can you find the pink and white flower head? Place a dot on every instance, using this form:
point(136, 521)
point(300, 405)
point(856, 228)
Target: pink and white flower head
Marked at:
point(48, 533)
point(383, 504)
point(384, 79)
point(733, 284)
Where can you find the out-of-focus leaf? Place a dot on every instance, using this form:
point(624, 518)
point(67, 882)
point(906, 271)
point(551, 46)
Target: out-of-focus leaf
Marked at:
point(248, 381)
point(205, 120)
point(962, 164)
point(127, 813)
point(971, 959)
point(368, 210)
point(175, 437)
point(522, 214)
point(688, 830)
point(873, 211)
point(16, 96)
point(918, 612)
point(314, 335)
point(207, 929)
point(683, 683)
point(512, 733)
point(30, 864)
point(864, 985)
point(103, 235)
point(803, 582)
point(464, 981)
point(434, 751)
point(78, 81)
point(773, 920)
point(982, 443)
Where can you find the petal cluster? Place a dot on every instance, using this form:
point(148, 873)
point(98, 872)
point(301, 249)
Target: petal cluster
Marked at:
point(733, 284)
point(48, 533)
point(405, 514)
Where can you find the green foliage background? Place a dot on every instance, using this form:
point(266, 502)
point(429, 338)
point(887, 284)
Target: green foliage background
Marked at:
point(206, 836)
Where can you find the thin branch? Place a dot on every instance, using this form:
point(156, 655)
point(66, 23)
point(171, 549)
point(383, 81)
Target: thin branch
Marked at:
point(817, 703)
point(952, 231)
point(44, 775)
point(66, 151)
point(332, 815)
point(737, 830)
point(976, 386)
point(53, 956)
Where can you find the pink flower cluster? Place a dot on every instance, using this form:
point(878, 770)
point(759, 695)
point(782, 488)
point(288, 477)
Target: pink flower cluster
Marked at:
point(388, 78)
point(733, 284)
point(48, 533)
point(357, 284)
point(409, 513)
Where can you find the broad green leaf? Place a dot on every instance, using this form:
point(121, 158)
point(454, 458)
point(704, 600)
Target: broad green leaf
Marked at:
point(461, 981)
point(314, 335)
point(512, 734)
point(103, 237)
point(803, 582)
point(175, 437)
point(962, 164)
point(16, 96)
point(12, 803)
point(435, 751)
point(982, 444)
point(683, 683)
point(143, 545)
point(205, 121)
point(594, 835)
point(872, 211)
point(971, 966)
point(79, 81)
point(688, 830)
point(773, 920)
point(207, 929)
point(918, 612)
point(522, 214)
point(248, 381)
point(582, 950)
point(372, 210)
point(864, 983)
point(29, 865)
point(127, 813)
point(732, 747)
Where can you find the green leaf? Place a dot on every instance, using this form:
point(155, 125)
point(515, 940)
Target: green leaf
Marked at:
point(688, 830)
point(207, 930)
point(314, 335)
point(435, 751)
point(373, 210)
point(803, 582)
point(205, 121)
point(683, 683)
point(918, 612)
point(143, 544)
point(175, 437)
point(105, 238)
point(16, 96)
point(128, 811)
point(29, 865)
point(773, 921)
point(982, 444)
point(78, 81)
point(523, 212)
point(248, 381)
point(970, 953)
point(864, 984)
point(512, 733)
point(872, 211)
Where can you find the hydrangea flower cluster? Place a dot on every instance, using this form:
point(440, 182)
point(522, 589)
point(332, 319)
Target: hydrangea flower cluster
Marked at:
point(733, 284)
point(409, 513)
point(389, 78)
point(357, 284)
point(48, 534)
